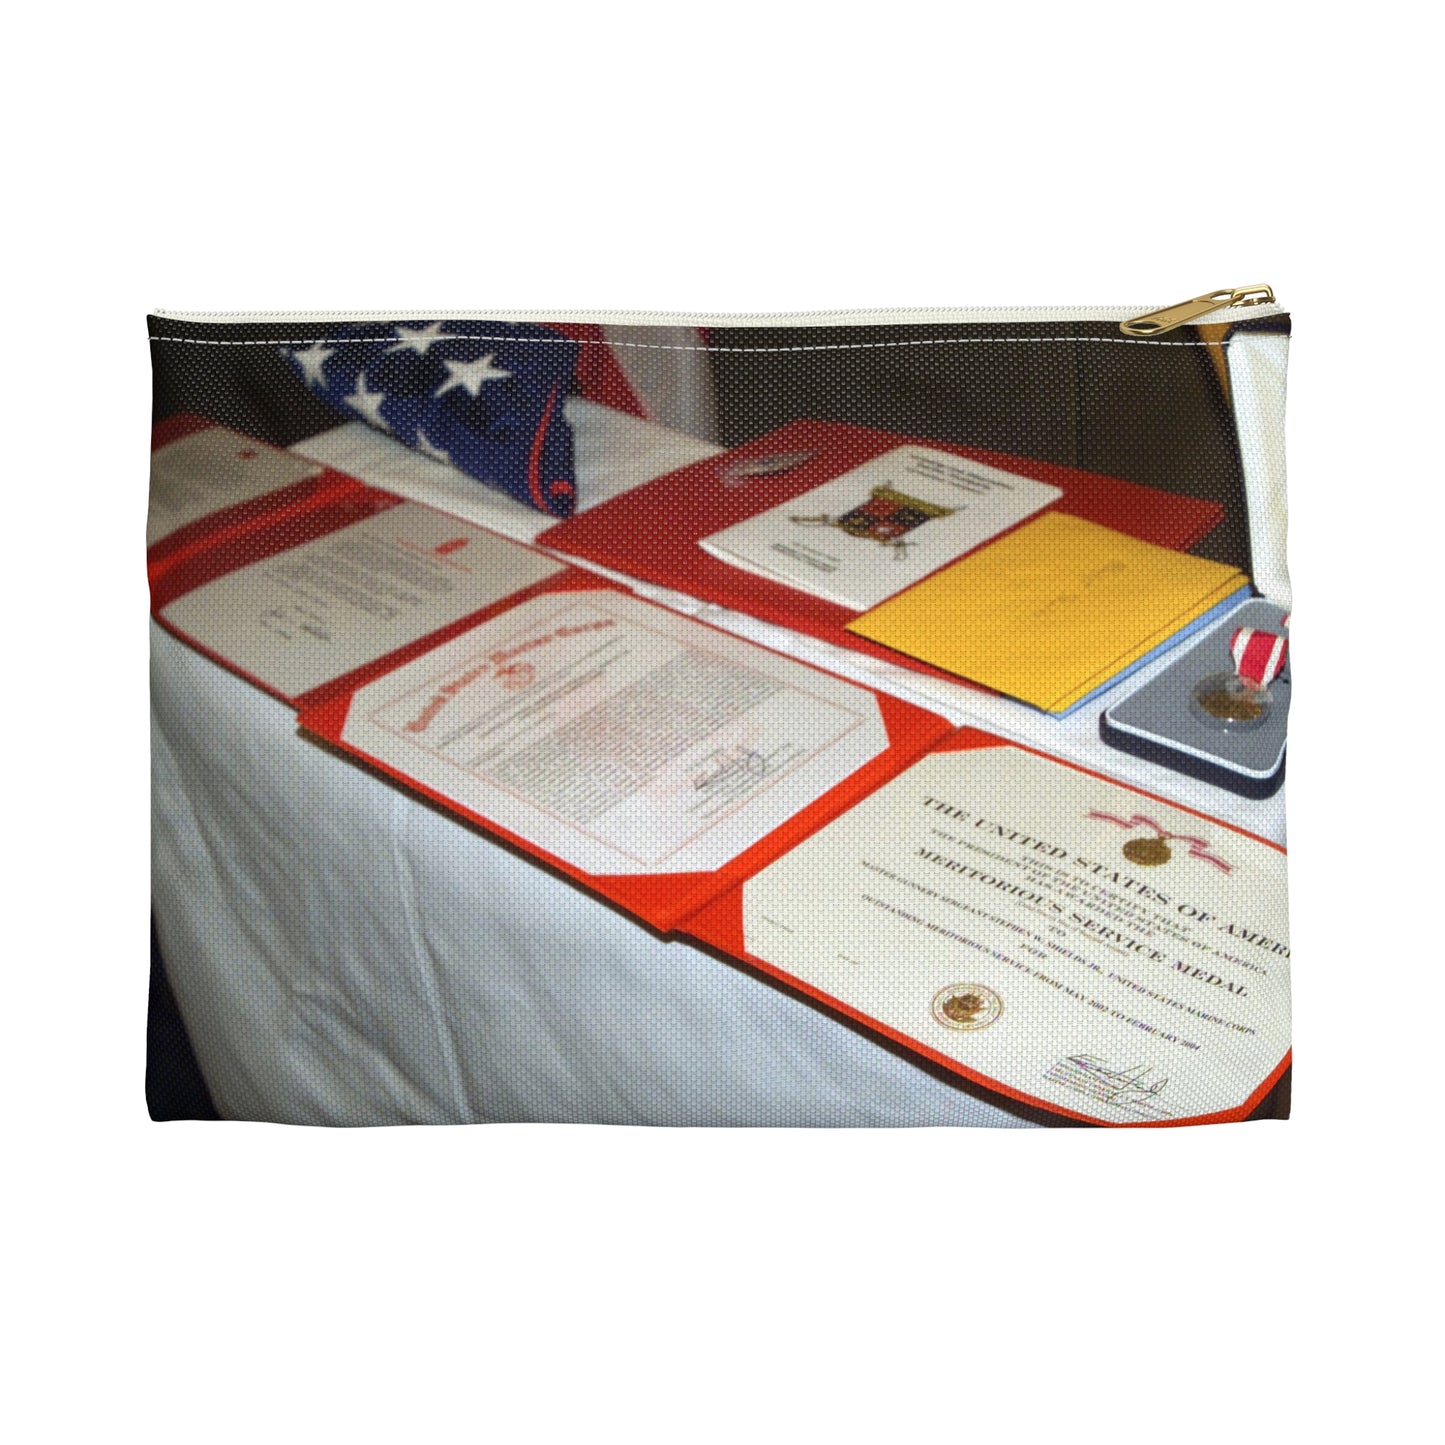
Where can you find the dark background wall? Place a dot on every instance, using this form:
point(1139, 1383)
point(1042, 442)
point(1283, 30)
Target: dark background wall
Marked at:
point(1073, 393)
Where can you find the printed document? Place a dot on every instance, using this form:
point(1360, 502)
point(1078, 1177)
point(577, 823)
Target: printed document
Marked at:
point(1069, 940)
point(318, 611)
point(881, 527)
point(617, 736)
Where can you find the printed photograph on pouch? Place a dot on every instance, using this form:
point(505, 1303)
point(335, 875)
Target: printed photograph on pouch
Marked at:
point(833, 719)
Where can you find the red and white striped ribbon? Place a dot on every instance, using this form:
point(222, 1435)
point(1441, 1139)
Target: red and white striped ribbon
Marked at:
point(1258, 656)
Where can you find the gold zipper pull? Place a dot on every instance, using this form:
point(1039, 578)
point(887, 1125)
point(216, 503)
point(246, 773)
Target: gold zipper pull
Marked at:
point(1187, 311)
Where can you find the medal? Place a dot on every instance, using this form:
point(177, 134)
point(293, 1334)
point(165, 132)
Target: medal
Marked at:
point(1241, 700)
point(1231, 702)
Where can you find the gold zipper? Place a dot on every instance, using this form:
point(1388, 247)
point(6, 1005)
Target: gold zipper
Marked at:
point(1155, 322)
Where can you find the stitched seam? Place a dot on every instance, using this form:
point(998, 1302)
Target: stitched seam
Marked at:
point(661, 346)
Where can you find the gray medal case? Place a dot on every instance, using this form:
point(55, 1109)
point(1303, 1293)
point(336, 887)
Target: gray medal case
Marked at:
point(1162, 723)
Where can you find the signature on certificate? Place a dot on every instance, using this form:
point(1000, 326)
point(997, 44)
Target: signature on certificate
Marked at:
point(1135, 1087)
point(733, 766)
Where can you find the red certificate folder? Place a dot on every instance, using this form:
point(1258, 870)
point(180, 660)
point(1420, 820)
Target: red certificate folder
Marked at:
point(525, 726)
point(652, 531)
point(319, 503)
point(1083, 948)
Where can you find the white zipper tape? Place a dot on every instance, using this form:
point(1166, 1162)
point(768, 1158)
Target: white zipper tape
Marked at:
point(878, 316)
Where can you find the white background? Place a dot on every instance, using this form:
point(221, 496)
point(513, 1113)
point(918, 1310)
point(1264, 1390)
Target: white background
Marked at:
point(216, 1283)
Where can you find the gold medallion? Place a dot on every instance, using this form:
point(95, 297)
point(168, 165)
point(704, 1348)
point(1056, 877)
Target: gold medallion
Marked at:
point(967, 1007)
point(1229, 705)
point(1147, 852)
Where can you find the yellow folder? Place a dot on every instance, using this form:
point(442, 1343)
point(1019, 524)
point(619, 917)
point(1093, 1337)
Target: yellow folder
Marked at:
point(1051, 611)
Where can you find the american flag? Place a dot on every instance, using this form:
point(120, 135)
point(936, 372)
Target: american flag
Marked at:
point(485, 396)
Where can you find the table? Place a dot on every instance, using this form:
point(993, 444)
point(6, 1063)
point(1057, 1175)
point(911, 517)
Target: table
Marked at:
point(343, 953)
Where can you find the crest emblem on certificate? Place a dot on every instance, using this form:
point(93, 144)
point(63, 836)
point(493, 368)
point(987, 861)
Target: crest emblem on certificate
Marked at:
point(966, 1007)
point(884, 518)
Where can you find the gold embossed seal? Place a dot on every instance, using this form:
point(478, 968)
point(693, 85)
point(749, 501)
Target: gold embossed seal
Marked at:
point(967, 1007)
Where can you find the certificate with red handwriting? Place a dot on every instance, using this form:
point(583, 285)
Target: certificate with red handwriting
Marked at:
point(616, 736)
point(317, 611)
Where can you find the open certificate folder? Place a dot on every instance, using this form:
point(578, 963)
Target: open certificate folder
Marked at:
point(883, 526)
point(651, 757)
point(1078, 945)
point(312, 585)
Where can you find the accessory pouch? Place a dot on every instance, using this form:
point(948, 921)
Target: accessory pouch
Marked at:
point(831, 719)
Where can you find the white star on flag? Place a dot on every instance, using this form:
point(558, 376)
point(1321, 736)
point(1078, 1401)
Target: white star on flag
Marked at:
point(368, 403)
point(424, 446)
point(311, 359)
point(472, 375)
point(418, 338)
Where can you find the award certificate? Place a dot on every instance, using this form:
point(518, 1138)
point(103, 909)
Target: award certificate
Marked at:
point(1071, 942)
point(616, 736)
point(313, 613)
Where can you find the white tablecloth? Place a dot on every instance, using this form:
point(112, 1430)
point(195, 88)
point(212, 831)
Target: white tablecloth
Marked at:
point(343, 953)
